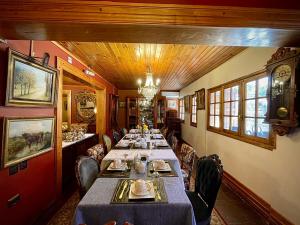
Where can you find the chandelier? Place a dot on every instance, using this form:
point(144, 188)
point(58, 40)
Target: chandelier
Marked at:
point(149, 89)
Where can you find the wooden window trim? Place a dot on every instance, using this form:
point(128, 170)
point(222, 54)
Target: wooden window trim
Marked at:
point(230, 85)
point(219, 88)
point(269, 143)
point(181, 101)
point(191, 111)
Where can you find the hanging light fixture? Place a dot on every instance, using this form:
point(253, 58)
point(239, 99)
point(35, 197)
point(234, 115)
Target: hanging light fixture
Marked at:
point(149, 89)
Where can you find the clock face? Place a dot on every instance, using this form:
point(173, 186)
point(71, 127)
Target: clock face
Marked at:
point(282, 73)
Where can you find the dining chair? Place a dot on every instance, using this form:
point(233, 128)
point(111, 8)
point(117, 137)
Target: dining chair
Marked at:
point(207, 184)
point(170, 136)
point(174, 144)
point(96, 152)
point(187, 157)
point(86, 170)
point(164, 131)
point(124, 131)
point(107, 143)
point(116, 136)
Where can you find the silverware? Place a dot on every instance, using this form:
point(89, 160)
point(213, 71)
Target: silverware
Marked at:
point(157, 192)
point(123, 189)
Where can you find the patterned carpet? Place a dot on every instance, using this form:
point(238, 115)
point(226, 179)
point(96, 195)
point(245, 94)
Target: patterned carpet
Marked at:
point(65, 214)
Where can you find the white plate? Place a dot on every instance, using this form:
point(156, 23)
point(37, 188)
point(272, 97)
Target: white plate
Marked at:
point(112, 168)
point(150, 193)
point(166, 169)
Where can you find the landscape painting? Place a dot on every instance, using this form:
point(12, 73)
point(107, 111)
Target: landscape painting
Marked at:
point(29, 83)
point(26, 138)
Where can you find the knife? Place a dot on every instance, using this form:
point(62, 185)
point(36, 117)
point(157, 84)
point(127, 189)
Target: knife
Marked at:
point(124, 187)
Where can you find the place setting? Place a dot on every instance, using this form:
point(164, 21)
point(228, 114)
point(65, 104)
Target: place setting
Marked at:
point(140, 191)
point(141, 144)
point(123, 144)
point(116, 168)
point(161, 167)
point(157, 136)
point(163, 144)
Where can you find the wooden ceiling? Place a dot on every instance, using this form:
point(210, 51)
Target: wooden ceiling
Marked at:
point(177, 65)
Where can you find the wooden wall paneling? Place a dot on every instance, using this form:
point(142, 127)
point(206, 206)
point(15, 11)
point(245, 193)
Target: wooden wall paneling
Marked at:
point(101, 113)
point(58, 159)
point(149, 23)
point(176, 65)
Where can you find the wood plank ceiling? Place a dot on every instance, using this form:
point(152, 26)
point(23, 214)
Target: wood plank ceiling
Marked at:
point(177, 65)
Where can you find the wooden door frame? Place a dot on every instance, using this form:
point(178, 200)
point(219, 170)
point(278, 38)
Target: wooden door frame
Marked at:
point(101, 91)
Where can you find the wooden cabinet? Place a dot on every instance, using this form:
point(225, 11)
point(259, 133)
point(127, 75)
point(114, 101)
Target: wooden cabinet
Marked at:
point(132, 112)
point(160, 105)
point(69, 156)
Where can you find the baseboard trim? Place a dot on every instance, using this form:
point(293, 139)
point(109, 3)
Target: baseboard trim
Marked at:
point(271, 216)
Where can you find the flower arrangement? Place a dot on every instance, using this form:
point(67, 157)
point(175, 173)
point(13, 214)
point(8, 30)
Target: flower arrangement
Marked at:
point(145, 127)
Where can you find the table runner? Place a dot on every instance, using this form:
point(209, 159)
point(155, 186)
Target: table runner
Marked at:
point(95, 207)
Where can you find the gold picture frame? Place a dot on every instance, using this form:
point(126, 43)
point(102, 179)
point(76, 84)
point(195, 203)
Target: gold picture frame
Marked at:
point(200, 98)
point(29, 83)
point(25, 138)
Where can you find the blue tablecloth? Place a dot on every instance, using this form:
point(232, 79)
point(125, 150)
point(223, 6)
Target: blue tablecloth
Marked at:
point(95, 207)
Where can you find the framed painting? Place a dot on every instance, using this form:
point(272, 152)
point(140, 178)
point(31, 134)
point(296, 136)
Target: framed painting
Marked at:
point(24, 138)
point(187, 103)
point(200, 97)
point(29, 83)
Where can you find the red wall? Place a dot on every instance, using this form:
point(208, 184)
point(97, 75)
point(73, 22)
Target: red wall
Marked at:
point(288, 4)
point(36, 184)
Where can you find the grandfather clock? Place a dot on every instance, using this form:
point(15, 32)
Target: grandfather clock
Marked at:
point(283, 70)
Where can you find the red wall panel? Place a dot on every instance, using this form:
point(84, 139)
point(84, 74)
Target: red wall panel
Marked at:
point(36, 183)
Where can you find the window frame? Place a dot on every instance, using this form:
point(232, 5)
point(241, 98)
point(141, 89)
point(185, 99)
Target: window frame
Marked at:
point(194, 124)
point(230, 85)
point(214, 90)
point(269, 143)
point(254, 138)
point(181, 107)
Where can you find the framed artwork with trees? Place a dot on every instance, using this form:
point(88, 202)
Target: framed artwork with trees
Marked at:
point(29, 83)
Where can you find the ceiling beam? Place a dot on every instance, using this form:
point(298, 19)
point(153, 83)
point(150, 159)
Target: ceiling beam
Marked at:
point(157, 23)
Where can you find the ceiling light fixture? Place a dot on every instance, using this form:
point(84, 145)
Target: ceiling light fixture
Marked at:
point(149, 89)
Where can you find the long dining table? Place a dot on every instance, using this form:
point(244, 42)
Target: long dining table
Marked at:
point(97, 207)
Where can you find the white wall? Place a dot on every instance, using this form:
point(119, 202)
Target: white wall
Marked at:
point(273, 175)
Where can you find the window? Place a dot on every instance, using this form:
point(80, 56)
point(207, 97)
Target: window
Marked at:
point(237, 109)
point(214, 106)
point(181, 109)
point(194, 111)
point(231, 108)
point(256, 105)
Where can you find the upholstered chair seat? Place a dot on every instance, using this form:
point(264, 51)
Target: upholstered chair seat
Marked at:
point(187, 157)
point(87, 170)
point(208, 180)
point(96, 152)
point(107, 143)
